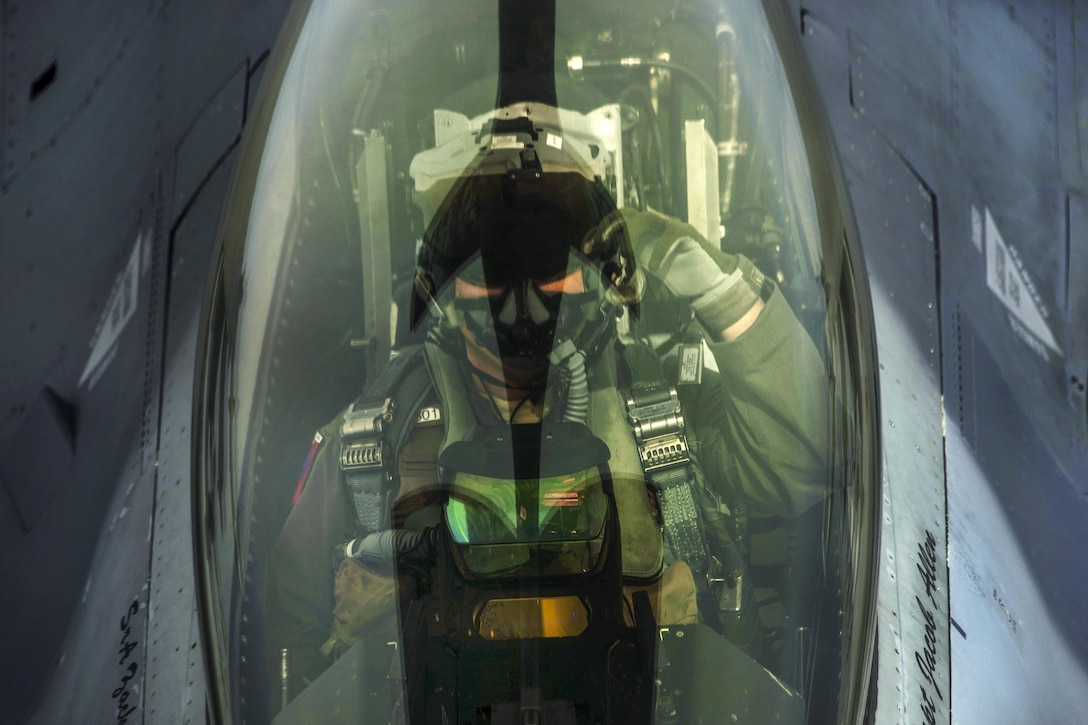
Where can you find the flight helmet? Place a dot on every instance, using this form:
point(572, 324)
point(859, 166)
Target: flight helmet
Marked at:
point(519, 249)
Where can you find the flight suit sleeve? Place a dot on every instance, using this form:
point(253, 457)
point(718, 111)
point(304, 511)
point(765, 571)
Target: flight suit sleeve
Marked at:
point(762, 425)
point(301, 568)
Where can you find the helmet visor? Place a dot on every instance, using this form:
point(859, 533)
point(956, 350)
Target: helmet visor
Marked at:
point(502, 229)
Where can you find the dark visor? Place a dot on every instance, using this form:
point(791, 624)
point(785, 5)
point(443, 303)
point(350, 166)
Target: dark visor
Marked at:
point(522, 224)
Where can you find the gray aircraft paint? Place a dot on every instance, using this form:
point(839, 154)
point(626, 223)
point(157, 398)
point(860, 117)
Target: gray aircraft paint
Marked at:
point(1017, 643)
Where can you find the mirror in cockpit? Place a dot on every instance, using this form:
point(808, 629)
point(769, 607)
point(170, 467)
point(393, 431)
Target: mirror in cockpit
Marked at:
point(571, 297)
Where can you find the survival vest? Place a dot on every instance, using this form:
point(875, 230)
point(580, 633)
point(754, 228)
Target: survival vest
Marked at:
point(376, 427)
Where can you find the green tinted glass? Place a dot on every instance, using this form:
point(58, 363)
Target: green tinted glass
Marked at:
point(484, 510)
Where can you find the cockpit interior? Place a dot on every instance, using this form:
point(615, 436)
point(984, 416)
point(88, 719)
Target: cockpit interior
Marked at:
point(377, 118)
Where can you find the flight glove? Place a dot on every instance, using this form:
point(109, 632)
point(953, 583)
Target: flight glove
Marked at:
point(721, 287)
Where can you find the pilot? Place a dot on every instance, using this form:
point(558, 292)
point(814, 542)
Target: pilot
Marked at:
point(526, 270)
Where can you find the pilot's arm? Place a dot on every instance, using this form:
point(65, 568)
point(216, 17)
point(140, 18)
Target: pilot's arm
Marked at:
point(761, 423)
point(299, 591)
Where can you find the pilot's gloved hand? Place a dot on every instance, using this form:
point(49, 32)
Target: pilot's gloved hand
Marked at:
point(722, 287)
point(361, 599)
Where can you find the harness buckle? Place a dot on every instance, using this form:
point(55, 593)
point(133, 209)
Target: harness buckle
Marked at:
point(361, 435)
point(369, 419)
point(658, 423)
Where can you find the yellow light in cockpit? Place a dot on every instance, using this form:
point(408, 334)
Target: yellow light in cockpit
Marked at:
point(532, 618)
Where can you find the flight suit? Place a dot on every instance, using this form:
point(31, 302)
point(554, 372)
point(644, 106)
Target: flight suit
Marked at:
point(758, 426)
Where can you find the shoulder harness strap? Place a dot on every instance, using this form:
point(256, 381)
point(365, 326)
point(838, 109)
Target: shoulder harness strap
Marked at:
point(375, 428)
point(653, 409)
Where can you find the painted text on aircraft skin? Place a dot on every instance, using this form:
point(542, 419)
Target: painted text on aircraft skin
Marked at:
point(1028, 339)
point(929, 707)
point(927, 565)
point(119, 310)
point(927, 658)
point(122, 692)
point(1008, 279)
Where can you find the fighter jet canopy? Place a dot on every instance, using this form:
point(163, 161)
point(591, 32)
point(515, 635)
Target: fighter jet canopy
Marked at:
point(443, 364)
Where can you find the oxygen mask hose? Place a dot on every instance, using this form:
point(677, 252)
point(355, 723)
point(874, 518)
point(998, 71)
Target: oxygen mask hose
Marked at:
point(378, 550)
point(574, 362)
